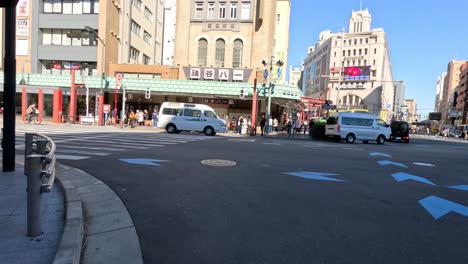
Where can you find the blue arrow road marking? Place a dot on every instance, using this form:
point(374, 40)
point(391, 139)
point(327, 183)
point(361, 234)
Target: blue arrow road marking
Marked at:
point(439, 207)
point(150, 162)
point(321, 176)
point(459, 187)
point(424, 164)
point(387, 162)
point(373, 154)
point(401, 176)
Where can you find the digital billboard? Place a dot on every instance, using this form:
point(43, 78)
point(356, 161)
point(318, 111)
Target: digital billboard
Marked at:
point(357, 73)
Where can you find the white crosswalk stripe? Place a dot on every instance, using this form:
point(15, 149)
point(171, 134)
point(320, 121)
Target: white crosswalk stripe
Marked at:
point(78, 143)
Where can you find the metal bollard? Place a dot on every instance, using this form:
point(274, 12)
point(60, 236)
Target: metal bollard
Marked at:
point(33, 170)
point(41, 146)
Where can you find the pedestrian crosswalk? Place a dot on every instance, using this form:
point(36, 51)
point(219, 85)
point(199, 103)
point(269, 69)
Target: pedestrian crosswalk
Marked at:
point(77, 143)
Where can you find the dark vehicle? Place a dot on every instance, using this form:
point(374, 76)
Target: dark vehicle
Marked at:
point(400, 131)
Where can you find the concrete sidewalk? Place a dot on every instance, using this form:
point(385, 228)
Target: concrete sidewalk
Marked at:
point(15, 246)
point(82, 219)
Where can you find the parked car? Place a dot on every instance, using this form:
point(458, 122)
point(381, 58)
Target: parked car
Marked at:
point(454, 133)
point(400, 131)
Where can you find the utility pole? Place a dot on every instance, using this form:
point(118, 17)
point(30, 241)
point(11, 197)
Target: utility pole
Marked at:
point(268, 113)
point(9, 114)
point(339, 77)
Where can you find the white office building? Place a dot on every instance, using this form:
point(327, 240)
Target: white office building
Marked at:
point(439, 92)
point(364, 80)
point(169, 31)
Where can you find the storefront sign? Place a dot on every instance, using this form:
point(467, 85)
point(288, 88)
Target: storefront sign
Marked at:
point(223, 75)
point(354, 58)
point(209, 74)
point(215, 101)
point(217, 74)
point(238, 75)
point(352, 86)
point(195, 73)
point(22, 27)
point(22, 8)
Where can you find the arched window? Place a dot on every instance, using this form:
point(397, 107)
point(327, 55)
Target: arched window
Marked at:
point(237, 54)
point(202, 51)
point(219, 56)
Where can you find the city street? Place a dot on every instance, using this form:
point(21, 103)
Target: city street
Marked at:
point(284, 201)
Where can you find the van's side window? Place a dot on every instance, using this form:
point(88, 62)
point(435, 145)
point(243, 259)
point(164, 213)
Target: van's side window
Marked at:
point(381, 123)
point(172, 111)
point(210, 114)
point(192, 113)
point(351, 121)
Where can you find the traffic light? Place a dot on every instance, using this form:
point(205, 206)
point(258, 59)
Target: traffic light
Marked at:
point(279, 63)
point(272, 88)
point(148, 94)
point(241, 95)
point(265, 62)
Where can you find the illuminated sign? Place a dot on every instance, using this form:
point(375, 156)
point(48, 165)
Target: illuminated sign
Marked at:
point(357, 73)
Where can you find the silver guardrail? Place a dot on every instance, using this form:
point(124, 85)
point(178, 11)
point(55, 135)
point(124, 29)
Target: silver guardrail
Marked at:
point(39, 167)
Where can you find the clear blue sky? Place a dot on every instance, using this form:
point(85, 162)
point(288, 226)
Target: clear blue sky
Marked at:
point(423, 36)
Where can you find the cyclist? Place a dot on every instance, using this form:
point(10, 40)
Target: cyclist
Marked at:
point(31, 111)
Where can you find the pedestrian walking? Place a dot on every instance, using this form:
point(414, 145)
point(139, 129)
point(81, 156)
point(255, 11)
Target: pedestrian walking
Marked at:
point(275, 124)
point(155, 118)
point(262, 124)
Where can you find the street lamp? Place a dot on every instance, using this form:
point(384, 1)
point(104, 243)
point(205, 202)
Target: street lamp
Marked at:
point(103, 46)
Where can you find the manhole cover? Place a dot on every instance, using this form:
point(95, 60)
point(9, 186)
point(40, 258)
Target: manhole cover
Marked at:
point(218, 162)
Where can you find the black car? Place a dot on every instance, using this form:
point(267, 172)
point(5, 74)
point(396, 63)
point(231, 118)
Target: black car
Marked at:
point(400, 131)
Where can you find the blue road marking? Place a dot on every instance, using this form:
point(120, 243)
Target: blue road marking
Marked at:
point(150, 162)
point(387, 162)
point(373, 154)
point(321, 176)
point(459, 187)
point(424, 164)
point(401, 176)
point(439, 207)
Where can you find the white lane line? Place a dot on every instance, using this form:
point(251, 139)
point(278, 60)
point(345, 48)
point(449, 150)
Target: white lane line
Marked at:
point(125, 145)
point(69, 157)
point(149, 140)
point(424, 164)
point(92, 148)
point(82, 152)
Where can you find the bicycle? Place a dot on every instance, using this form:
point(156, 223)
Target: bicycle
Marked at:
point(32, 117)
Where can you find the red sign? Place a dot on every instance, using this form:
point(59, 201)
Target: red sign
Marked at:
point(335, 69)
point(118, 76)
point(57, 66)
point(106, 108)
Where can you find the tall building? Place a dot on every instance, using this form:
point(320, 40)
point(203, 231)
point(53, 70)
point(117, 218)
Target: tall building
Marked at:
point(462, 97)
point(448, 95)
point(2, 46)
point(281, 42)
point(170, 11)
point(295, 73)
point(399, 101)
point(352, 68)
point(411, 113)
point(439, 92)
point(54, 37)
point(226, 40)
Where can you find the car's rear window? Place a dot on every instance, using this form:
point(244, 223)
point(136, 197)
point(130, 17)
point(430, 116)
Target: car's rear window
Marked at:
point(332, 120)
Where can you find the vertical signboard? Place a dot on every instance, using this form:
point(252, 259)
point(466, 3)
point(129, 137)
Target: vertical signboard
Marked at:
point(22, 8)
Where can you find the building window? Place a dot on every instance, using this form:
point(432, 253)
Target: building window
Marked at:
point(88, 38)
point(344, 41)
point(359, 63)
point(335, 54)
point(233, 10)
point(365, 51)
point(360, 41)
point(52, 6)
point(219, 56)
point(347, 63)
point(374, 73)
point(198, 10)
point(136, 28)
point(63, 67)
point(202, 52)
point(147, 37)
point(344, 53)
point(375, 51)
point(211, 8)
point(245, 13)
point(222, 10)
point(148, 14)
point(237, 54)
point(354, 63)
point(354, 52)
point(336, 43)
point(360, 51)
point(365, 62)
point(373, 63)
point(134, 54)
point(355, 42)
point(349, 52)
point(56, 37)
point(146, 60)
point(137, 4)
point(278, 18)
point(367, 41)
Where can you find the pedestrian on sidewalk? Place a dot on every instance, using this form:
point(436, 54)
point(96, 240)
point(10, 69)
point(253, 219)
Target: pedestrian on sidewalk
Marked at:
point(155, 118)
point(275, 124)
point(305, 125)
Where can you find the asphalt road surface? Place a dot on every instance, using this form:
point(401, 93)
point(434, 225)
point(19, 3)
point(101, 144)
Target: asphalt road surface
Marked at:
point(292, 201)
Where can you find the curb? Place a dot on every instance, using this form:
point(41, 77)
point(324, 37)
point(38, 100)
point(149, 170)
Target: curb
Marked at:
point(98, 227)
point(69, 250)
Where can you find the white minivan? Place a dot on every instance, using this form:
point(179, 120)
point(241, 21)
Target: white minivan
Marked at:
point(357, 126)
point(177, 117)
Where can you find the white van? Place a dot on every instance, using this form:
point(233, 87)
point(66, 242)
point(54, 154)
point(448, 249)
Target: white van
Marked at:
point(357, 126)
point(177, 117)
